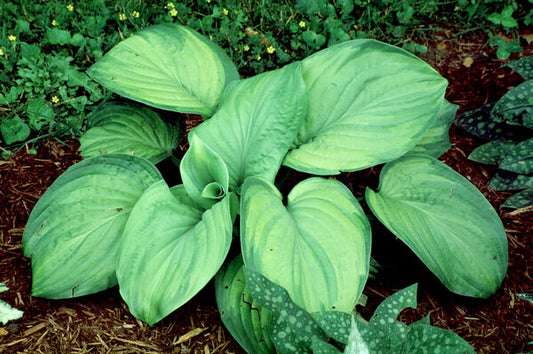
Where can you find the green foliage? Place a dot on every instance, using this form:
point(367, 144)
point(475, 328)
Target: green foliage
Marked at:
point(113, 219)
point(508, 124)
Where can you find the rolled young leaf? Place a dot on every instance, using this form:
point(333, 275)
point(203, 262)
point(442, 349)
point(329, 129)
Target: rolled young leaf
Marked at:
point(130, 129)
point(369, 103)
point(74, 230)
point(171, 248)
point(317, 247)
point(204, 173)
point(255, 125)
point(445, 220)
point(167, 66)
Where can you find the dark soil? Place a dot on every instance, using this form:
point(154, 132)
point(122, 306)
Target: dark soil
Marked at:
point(101, 323)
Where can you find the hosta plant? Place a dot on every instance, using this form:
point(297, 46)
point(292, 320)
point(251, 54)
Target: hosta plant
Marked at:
point(507, 125)
point(113, 219)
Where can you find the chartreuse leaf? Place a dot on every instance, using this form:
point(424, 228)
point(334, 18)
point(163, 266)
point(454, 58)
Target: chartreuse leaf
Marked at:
point(292, 327)
point(246, 320)
point(519, 200)
point(445, 220)
point(516, 106)
point(74, 231)
point(317, 247)
point(171, 248)
point(204, 173)
point(492, 152)
point(167, 66)
point(129, 129)
point(520, 159)
point(436, 141)
point(384, 334)
point(256, 123)
point(369, 103)
point(523, 66)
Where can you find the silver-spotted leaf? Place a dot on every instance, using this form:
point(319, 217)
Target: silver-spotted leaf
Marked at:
point(291, 324)
point(515, 105)
point(167, 66)
point(523, 66)
point(445, 221)
point(369, 103)
point(74, 231)
point(246, 320)
point(503, 181)
point(130, 129)
point(336, 324)
point(492, 152)
point(520, 159)
point(255, 125)
point(519, 200)
point(317, 247)
point(171, 248)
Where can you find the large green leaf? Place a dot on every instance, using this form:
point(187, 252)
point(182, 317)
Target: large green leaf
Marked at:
point(171, 248)
point(256, 123)
point(445, 220)
point(317, 247)
point(369, 103)
point(246, 320)
point(129, 129)
point(167, 66)
point(74, 231)
point(437, 139)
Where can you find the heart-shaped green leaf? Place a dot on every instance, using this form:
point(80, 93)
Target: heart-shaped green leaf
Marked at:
point(317, 247)
point(171, 248)
point(445, 220)
point(129, 129)
point(369, 103)
point(255, 125)
point(74, 230)
point(167, 66)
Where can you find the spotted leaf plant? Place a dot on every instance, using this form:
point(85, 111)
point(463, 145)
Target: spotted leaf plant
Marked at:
point(113, 219)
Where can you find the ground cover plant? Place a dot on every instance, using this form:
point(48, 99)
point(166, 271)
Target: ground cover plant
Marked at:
point(45, 47)
point(508, 125)
point(126, 226)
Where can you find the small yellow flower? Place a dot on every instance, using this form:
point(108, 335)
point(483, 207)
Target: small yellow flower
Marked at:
point(170, 5)
point(271, 49)
point(302, 24)
point(135, 14)
point(54, 22)
point(12, 38)
point(122, 17)
point(1, 52)
point(208, 1)
point(173, 12)
point(70, 7)
point(258, 57)
point(225, 12)
point(246, 47)
point(55, 99)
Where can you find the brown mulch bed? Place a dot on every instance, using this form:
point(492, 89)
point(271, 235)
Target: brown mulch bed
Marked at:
point(101, 323)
